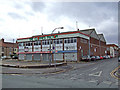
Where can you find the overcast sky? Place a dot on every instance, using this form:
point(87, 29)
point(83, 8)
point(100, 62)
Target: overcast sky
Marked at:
point(19, 19)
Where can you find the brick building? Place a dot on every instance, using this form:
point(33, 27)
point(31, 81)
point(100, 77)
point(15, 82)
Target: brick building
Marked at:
point(64, 46)
point(112, 50)
point(7, 48)
point(97, 42)
point(67, 45)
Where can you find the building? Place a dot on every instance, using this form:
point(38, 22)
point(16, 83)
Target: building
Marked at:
point(97, 43)
point(7, 49)
point(64, 46)
point(112, 50)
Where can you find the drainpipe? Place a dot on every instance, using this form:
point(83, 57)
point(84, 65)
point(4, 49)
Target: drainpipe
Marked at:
point(89, 46)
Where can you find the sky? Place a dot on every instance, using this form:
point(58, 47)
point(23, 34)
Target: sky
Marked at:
point(19, 19)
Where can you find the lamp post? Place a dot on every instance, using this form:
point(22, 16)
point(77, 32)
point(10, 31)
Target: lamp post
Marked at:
point(52, 43)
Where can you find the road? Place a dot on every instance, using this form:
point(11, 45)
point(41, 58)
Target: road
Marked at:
point(95, 74)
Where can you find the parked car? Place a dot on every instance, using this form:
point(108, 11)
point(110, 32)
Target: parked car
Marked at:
point(101, 57)
point(86, 58)
point(3, 57)
point(108, 56)
point(15, 57)
point(118, 59)
point(97, 57)
point(111, 56)
point(104, 57)
point(93, 58)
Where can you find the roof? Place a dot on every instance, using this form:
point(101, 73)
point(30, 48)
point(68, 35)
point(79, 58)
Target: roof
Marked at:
point(90, 32)
point(101, 37)
point(87, 31)
point(93, 33)
point(112, 45)
point(62, 33)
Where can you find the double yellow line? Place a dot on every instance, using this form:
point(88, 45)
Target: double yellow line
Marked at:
point(112, 73)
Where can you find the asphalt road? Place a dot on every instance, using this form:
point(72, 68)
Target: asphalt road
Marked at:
point(95, 74)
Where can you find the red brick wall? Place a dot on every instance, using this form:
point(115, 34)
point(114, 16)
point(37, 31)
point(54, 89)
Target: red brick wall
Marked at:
point(7, 46)
point(84, 47)
point(100, 47)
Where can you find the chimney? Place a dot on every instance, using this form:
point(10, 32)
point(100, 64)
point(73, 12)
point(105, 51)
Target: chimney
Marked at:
point(2, 39)
point(58, 31)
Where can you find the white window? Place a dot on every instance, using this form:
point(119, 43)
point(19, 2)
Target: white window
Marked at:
point(95, 49)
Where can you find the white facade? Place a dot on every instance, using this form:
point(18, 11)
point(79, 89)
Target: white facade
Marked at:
point(112, 53)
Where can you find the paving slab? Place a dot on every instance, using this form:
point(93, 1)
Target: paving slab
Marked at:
point(29, 64)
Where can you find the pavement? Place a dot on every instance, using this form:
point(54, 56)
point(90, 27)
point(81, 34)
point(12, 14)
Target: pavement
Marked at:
point(31, 67)
point(29, 64)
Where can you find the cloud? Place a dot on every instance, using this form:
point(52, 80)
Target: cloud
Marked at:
point(25, 18)
point(38, 6)
point(102, 16)
point(90, 13)
point(16, 16)
point(110, 29)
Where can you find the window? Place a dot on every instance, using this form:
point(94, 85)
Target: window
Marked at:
point(39, 42)
point(36, 43)
point(23, 44)
point(2, 49)
point(31, 44)
point(108, 49)
point(95, 49)
point(75, 40)
point(58, 41)
point(10, 49)
point(48, 42)
point(65, 41)
point(43, 42)
point(28, 43)
point(20, 44)
point(91, 45)
point(61, 41)
point(55, 41)
point(71, 40)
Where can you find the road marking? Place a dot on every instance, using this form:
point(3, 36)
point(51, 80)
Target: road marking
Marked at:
point(112, 73)
point(98, 74)
point(116, 83)
point(16, 74)
point(107, 82)
point(93, 81)
point(81, 74)
point(94, 69)
point(73, 78)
